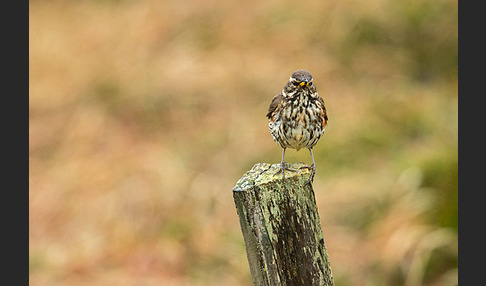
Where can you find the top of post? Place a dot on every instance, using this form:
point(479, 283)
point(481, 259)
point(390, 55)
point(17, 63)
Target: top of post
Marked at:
point(263, 173)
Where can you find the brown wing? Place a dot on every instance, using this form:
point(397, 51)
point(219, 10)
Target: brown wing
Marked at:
point(273, 106)
point(324, 115)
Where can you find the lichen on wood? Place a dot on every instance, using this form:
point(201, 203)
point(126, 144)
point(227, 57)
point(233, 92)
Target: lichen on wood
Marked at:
point(281, 227)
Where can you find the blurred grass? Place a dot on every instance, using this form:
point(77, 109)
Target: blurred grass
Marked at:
point(143, 115)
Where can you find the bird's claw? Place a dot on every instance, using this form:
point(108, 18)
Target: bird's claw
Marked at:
point(282, 169)
point(311, 177)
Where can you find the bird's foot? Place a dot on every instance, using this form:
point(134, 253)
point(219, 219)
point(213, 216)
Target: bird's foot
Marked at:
point(311, 177)
point(283, 167)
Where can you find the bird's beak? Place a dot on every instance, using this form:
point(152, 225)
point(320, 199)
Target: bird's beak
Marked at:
point(304, 83)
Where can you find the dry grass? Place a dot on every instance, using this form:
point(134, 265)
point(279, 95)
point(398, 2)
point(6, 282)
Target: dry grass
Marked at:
point(143, 115)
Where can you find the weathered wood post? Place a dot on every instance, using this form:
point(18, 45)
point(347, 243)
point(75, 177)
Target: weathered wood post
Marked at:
point(281, 227)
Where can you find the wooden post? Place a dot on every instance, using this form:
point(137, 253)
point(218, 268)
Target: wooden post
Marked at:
point(281, 227)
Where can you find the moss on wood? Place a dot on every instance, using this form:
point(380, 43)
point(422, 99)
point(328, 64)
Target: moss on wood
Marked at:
point(281, 227)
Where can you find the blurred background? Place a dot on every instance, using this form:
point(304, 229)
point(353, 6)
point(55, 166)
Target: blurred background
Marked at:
point(144, 114)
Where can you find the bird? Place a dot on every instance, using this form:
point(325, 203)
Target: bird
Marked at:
point(297, 118)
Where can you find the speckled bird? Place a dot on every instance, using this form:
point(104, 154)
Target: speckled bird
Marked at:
point(297, 117)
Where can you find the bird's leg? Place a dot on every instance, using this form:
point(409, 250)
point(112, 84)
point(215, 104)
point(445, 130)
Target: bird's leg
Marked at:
point(312, 167)
point(283, 166)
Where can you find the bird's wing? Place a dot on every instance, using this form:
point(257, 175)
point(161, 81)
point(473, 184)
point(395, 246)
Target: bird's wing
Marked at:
point(276, 101)
point(324, 112)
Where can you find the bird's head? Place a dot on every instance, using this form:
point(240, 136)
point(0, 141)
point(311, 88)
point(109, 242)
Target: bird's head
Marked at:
point(301, 78)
